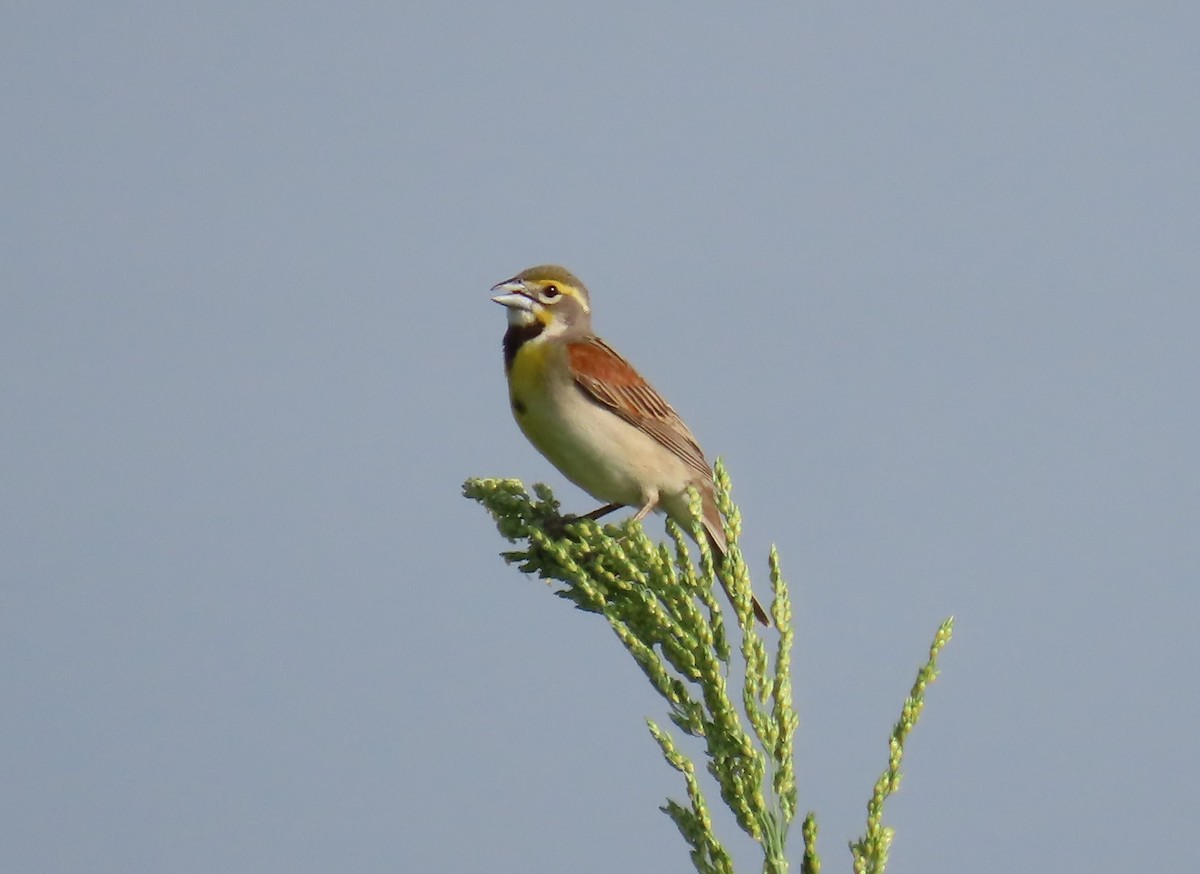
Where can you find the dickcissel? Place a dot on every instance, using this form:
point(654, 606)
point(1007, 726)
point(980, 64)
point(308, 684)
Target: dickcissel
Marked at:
point(592, 415)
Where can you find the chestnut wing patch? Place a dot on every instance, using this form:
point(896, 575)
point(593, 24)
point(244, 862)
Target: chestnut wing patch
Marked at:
point(609, 380)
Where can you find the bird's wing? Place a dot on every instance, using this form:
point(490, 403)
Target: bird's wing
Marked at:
point(609, 380)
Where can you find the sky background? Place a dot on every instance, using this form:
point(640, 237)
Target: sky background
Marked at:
point(926, 276)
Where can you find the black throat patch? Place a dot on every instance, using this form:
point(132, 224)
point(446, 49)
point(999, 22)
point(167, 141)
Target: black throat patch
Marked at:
point(517, 336)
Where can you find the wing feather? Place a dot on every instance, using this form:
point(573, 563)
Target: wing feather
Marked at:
point(609, 380)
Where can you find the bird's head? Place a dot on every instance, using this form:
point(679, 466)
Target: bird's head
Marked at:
point(548, 296)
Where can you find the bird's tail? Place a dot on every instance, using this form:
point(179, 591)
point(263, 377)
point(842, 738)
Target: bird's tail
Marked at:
point(715, 530)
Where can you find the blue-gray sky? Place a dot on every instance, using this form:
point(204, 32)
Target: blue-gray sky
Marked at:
point(925, 275)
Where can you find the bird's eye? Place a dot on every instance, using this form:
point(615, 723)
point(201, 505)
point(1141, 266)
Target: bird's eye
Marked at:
point(550, 292)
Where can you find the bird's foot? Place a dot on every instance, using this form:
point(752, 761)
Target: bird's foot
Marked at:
point(556, 526)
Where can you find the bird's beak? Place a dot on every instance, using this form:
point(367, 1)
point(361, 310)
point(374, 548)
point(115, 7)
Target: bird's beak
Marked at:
point(514, 295)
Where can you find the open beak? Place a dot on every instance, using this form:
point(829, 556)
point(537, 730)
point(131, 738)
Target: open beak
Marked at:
point(514, 295)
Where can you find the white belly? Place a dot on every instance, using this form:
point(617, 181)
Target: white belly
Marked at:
point(604, 455)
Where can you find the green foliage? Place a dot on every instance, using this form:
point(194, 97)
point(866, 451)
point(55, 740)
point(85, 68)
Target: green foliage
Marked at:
point(871, 850)
point(663, 610)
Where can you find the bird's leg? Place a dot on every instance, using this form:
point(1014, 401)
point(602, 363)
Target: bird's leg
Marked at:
point(557, 527)
point(645, 511)
point(601, 512)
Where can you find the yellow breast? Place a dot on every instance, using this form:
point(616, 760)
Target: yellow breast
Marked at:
point(528, 373)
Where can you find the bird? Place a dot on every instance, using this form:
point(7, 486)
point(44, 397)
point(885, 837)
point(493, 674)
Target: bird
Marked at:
point(592, 415)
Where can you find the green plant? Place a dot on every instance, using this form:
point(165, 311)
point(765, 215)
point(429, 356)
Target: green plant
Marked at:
point(663, 610)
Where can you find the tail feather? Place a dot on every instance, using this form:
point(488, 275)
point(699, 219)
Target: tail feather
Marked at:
point(715, 530)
